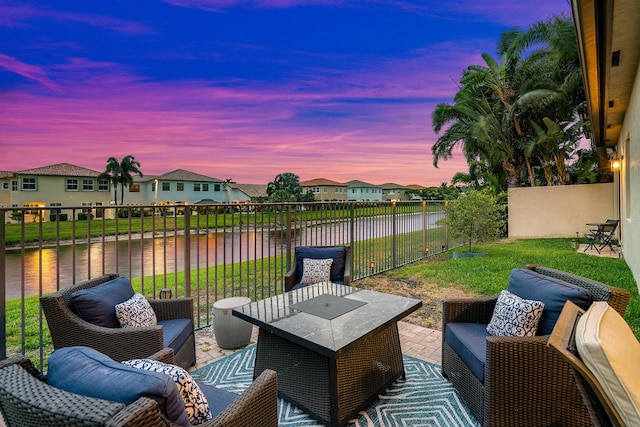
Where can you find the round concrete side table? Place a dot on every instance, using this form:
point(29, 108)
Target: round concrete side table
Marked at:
point(230, 331)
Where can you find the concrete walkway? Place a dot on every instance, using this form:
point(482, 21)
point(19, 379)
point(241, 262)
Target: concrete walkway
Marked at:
point(605, 252)
point(416, 341)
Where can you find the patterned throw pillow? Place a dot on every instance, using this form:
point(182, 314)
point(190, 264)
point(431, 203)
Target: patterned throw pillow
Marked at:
point(514, 316)
point(315, 271)
point(136, 312)
point(195, 402)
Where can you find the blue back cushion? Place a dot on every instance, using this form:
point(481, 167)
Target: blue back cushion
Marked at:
point(97, 305)
point(88, 372)
point(554, 293)
point(337, 253)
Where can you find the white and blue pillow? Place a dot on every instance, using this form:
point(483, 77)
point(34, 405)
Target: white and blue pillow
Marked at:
point(316, 271)
point(195, 402)
point(514, 316)
point(136, 312)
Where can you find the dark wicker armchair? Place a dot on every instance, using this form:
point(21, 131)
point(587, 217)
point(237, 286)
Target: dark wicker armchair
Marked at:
point(340, 270)
point(26, 400)
point(68, 329)
point(525, 382)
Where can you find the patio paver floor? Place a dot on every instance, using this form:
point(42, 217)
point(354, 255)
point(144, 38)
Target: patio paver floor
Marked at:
point(416, 341)
point(605, 252)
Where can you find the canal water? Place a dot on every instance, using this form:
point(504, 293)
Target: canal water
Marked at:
point(44, 271)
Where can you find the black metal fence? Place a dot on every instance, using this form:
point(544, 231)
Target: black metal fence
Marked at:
point(207, 252)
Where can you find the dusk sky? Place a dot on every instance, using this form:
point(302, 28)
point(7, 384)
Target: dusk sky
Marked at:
point(243, 89)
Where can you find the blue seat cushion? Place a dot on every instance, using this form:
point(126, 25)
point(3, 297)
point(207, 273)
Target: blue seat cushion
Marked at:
point(337, 253)
point(85, 371)
point(97, 305)
point(175, 332)
point(469, 341)
point(217, 398)
point(554, 293)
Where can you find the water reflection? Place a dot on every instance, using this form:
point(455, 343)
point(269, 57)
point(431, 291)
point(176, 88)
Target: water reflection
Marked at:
point(52, 268)
point(147, 256)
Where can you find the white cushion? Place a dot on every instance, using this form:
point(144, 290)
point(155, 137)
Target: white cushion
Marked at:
point(514, 316)
point(195, 402)
point(611, 351)
point(136, 312)
point(315, 270)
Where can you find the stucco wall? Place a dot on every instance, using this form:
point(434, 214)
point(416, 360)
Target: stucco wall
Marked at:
point(630, 181)
point(559, 211)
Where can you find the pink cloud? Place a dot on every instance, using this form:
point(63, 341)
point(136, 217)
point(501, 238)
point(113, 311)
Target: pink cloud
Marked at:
point(30, 72)
point(218, 5)
point(247, 133)
point(371, 122)
point(507, 12)
point(18, 16)
point(504, 12)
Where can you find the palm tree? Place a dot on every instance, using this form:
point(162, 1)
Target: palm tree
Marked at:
point(500, 109)
point(285, 187)
point(477, 178)
point(482, 119)
point(226, 187)
point(112, 174)
point(121, 173)
point(553, 94)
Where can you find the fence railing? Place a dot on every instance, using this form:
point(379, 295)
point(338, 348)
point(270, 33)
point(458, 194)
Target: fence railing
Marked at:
point(207, 252)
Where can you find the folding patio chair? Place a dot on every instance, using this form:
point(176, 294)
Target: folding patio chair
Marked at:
point(608, 233)
point(602, 235)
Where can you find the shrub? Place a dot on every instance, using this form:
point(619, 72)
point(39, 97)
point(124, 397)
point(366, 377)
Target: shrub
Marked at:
point(475, 216)
point(16, 216)
point(54, 216)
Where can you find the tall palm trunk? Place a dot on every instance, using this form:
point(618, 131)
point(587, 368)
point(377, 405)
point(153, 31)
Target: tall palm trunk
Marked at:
point(513, 169)
point(532, 178)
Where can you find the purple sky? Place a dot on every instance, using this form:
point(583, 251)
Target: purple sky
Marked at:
point(242, 89)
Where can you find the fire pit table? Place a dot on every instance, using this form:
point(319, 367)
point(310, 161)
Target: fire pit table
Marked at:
point(335, 347)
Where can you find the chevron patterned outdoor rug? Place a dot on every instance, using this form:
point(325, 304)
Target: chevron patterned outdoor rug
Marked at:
point(423, 399)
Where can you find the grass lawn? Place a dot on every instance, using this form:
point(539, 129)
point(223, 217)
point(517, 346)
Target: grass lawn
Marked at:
point(489, 275)
point(50, 231)
point(432, 279)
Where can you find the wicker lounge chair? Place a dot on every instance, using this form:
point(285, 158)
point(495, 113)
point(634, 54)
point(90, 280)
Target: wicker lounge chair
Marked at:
point(340, 270)
point(68, 329)
point(525, 382)
point(26, 400)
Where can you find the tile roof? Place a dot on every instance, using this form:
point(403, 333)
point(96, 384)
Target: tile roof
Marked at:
point(389, 185)
point(61, 169)
point(317, 182)
point(144, 178)
point(184, 175)
point(356, 183)
point(251, 190)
